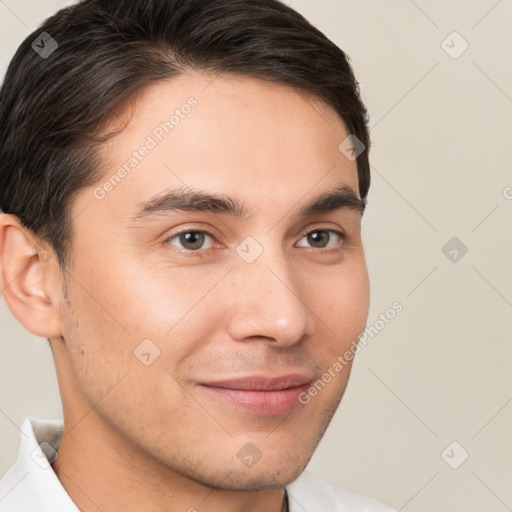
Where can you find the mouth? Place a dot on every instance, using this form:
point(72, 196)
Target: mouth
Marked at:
point(264, 396)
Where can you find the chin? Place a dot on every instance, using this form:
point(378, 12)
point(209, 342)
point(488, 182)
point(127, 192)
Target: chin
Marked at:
point(264, 474)
point(253, 479)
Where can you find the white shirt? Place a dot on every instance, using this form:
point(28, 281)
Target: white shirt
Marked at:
point(31, 485)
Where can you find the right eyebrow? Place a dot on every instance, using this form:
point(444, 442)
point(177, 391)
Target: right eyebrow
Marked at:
point(189, 201)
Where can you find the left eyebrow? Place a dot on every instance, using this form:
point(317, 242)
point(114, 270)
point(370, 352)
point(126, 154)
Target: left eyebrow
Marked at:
point(342, 197)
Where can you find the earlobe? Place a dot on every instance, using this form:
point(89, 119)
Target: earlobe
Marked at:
point(25, 279)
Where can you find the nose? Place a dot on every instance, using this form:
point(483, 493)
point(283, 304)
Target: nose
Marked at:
point(267, 301)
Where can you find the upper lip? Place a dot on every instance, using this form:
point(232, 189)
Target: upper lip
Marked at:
point(261, 383)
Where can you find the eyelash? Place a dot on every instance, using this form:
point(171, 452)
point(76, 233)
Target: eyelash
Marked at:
point(198, 252)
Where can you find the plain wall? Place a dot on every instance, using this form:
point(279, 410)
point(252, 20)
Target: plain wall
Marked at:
point(440, 371)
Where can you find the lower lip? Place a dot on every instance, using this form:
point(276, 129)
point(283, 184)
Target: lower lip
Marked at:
point(264, 403)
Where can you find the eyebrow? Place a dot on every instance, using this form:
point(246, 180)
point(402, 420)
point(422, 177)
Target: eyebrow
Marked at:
point(190, 200)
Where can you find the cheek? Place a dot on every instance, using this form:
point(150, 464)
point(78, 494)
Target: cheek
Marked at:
point(118, 308)
point(344, 308)
point(119, 358)
point(134, 299)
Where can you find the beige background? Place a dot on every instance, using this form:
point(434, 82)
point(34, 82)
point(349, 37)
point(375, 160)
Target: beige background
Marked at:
point(441, 370)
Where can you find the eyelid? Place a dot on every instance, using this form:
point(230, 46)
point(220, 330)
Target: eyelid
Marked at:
point(194, 227)
point(302, 234)
point(310, 229)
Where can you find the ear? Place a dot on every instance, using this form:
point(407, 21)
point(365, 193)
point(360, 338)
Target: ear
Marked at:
point(30, 278)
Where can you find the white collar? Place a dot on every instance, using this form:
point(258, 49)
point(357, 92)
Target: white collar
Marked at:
point(31, 484)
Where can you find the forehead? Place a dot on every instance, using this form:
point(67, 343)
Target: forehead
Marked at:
point(233, 134)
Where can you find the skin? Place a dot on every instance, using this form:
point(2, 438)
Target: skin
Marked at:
point(149, 437)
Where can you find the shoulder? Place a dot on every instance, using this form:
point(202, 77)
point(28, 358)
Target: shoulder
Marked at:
point(309, 493)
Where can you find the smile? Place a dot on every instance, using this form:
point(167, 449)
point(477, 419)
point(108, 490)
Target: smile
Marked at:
point(265, 396)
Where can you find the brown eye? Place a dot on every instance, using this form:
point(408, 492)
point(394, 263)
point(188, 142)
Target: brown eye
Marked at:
point(190, 240)
point(320, 238)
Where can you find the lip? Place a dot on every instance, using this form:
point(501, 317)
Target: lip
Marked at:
point(261, 395)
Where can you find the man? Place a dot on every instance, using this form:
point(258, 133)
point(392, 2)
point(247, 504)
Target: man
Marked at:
point(182, 184)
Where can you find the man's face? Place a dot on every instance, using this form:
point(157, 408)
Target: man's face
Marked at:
point(195, 348)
